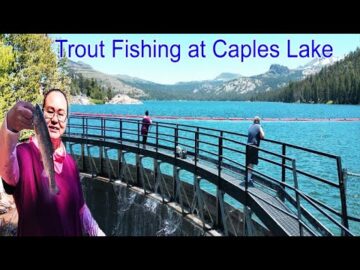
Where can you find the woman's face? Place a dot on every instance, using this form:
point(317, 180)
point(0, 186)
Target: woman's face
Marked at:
point(55, 112)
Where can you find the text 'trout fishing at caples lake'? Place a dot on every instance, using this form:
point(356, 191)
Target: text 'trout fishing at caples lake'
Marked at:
point(220, 48)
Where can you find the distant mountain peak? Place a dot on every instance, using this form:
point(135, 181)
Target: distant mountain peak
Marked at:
point(78, 65)
point(315, 65)
point(227, 76)
point(321, 61)
point(278, 69)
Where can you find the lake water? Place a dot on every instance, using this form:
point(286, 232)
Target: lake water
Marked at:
point(338, 138)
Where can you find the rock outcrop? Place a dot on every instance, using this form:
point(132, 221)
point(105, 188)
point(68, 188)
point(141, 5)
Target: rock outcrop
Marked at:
point(123, 99)
point(81, 99)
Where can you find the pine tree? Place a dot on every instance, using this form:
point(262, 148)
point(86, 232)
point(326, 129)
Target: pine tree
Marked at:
point(24, 60)
point(339, 83)
point(7, 59)
point(34, 59)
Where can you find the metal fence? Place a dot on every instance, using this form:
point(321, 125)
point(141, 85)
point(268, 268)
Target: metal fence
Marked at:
point(224, 154)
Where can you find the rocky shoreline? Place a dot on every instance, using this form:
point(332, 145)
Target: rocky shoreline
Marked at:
point(81, 100)
point(118, 99)
point(123, 99)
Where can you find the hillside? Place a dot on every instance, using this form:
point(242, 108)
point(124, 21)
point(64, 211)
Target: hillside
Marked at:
point(105, 80)
point(226, 86)
point(338, 83)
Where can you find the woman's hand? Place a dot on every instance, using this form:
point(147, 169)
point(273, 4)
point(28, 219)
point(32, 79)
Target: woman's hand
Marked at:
point(20, 116)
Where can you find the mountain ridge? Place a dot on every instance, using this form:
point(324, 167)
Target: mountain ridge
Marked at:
point(225, 86)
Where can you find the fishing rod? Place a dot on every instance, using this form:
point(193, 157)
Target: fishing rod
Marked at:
point(353, 174)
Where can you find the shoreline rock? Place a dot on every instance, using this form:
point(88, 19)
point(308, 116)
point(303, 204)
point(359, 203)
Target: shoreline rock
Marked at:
point(81, 100)
point(123, 99)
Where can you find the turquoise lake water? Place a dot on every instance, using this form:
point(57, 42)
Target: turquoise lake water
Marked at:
point(338, 138)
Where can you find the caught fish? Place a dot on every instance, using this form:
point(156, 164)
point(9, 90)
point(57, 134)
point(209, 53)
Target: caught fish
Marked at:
point(46, 148)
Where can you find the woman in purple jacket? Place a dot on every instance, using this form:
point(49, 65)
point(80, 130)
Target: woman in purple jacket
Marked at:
point(22, 171)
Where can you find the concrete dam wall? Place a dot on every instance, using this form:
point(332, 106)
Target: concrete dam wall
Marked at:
point(122, 211)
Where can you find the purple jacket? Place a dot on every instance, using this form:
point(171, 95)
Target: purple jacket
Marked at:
point(146, 122)
point(39, 214)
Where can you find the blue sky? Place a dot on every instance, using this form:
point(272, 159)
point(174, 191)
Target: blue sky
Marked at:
point(184, 68)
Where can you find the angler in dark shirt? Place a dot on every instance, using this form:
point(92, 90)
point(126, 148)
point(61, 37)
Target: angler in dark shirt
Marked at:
point(255, 134)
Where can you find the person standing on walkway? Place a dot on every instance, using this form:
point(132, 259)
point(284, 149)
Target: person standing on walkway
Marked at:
point(146, 122)
point(255, 134)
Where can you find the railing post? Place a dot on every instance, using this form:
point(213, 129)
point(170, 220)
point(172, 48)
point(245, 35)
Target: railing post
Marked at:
point(156, 171)
point(138, 169)
point(138, 132)
point(298, 205)
point(344, 215)
point(246, 170)
point(157, 136)
point(176, 139)
point(218, 221)
point(83, 124)
point(121, 127)
point(176, 194)
point(83, 157)
point(118, 164)
point(103, 126)
point(101, 148)
point(196, 145)
point(86, 127)
point(82, 149)
point(220, 153)
point(245, 209)
point(176, 131)
point(283, 172)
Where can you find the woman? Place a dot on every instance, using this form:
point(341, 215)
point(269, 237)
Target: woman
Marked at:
point(146, 122)
point(22, 171)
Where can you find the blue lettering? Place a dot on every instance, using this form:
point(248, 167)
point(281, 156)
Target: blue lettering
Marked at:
point(175, 53)
point(274, 50)
point(70, 46)
point(114, 47)
point(289, 50)
point(233, 51)
point(77, 50)
point(134, 51)
point(81, 50)
point(214, 48)
point(304, 51)
point(263, 50)
point(311, 51)
point(61, 41)
point(243, 54)
point(327, 49)
point(315, 49)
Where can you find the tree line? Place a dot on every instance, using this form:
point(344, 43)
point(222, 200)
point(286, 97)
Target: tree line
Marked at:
point(338, 83)
point(89, 87)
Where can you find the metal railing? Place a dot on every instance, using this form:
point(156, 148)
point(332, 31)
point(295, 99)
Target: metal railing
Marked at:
point(223, 151)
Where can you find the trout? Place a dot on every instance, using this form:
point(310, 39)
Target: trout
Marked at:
point(46, 147)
